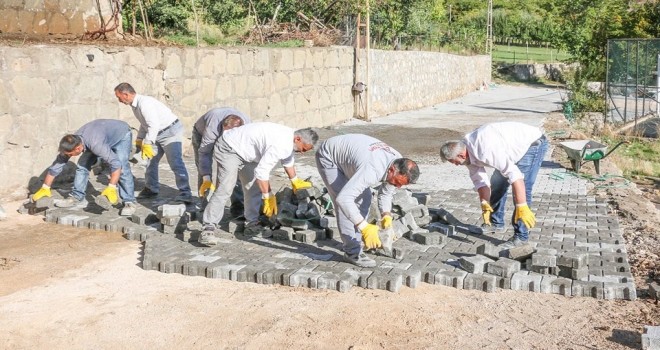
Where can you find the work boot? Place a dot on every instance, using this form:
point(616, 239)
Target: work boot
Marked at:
point(513, 242)
point(147, 193)
point(71, 203)
point(184, 198)
point(360, 259)
point(492, 228)
point(128, 209)
point(207, 236)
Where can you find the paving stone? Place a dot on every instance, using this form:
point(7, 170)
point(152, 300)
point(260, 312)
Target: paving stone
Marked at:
point(385, 281)
point(503, 267)
point(283, 235)
point(482, 282)
point(447, 230)
point(226, 272)
point(542, 260)
point(474, 264)
point(616, 290)
point(454, 278)
point(556, 285)
point(525, 281)
point(573, 260)
point(587, 289)
point(654, 290)
point(651, 338)
point(328, 222)
point(520, 253)
point(304, 278)
point(427, 238)
point(489, 250)
point(171, 210)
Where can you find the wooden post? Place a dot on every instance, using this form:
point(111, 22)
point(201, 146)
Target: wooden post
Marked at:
point(367, 82)
point(356, 67)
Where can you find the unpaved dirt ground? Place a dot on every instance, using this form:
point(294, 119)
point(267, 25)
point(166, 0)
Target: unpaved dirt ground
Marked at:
point(68, 288)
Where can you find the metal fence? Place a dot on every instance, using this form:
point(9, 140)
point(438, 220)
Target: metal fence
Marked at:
point(632, 85)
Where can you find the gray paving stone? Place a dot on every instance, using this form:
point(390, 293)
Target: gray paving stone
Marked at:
point(527, 282)
point(454, 278)
point(588, 289)
point(651, 338)
point(520, 253)
point(483, 282)
point(503, 267)
point(474, 264)
point(617, 290)
point(556, 285)
point(542, 260)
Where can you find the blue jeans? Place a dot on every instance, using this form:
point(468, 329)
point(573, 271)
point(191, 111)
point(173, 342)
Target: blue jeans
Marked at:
point(529, 165)
point(169, 143)
point(236, 195)
point(126, 185)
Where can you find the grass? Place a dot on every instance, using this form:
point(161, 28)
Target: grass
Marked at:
point(639, 158)
point(522, 54)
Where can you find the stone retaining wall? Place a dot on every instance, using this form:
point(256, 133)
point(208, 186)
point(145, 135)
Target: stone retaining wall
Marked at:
point(49, 91)
point(53, 16)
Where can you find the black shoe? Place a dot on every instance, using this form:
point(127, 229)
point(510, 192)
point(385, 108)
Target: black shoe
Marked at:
point(147, 193)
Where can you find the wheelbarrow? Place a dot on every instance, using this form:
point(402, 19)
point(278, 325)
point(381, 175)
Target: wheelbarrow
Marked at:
point(582, 151)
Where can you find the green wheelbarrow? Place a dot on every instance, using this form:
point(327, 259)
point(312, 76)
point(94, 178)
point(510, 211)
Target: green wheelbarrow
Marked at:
point(580, 152)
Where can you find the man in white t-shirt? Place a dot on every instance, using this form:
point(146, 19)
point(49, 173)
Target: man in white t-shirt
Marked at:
point(515, 150)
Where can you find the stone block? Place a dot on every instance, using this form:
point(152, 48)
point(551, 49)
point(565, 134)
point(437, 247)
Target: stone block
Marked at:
point(654, 290)
point(520, 253)
point(474, 264)
point(171, 210)
point(651, 338)
point(283, 235)
point(491, 251)
point(482, 282)
point(311, 192)
point(428, 238)
point(615, 290)
point(454, 278)
point(581, 274)
point(423, 221)
point(527, 282)
point(236, 226)
point(542, 260)
point(447, 230)
point(299, 224)
point(385, 281)
point(546, 251)
point(573, 259)
point(587, 289)
point(329, 222)
point(306, 236)
point(556, 285)
point(503, 267)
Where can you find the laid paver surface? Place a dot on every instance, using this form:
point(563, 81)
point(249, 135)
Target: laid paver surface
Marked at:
point(569, 219)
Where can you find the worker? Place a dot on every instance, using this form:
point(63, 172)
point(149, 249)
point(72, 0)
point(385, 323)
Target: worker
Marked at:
point(108, 139)
point(350, 165)
point(515, 150)
point(206, 131)
point(160, 133)
point(249, 153)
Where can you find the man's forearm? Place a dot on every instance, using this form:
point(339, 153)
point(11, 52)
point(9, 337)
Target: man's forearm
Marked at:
point(264, 186)
point(484, 193)
point(519, 193)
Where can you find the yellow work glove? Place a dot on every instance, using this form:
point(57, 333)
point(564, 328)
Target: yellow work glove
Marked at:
point(386, 222)
point(147, 151)
point(44, 191)
point(300, 184)
point(110, 193)
point(206, 185)
point(525, 214)
point(270, 204)
point(486, 210)
point(370, 235)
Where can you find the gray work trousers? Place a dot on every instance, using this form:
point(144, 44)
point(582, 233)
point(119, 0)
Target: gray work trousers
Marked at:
point(230, 166)
point(334, 181)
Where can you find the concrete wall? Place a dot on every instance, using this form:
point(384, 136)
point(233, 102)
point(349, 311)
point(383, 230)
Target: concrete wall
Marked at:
point(405, 80)
point(48, 91)
point(68, 17)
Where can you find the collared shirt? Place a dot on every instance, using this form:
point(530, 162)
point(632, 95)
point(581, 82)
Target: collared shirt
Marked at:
point(262, 143)
point(210, 127)
point(500, 146)
point(98, 137)
point(364, 160)
point(153, 116)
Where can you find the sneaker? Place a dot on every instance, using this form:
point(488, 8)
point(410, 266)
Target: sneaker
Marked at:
point(128, 209)
point(361, 260)
point(207, 236)
point(185, 198)
point(493, 229)
point(71, 203)
point(513, 242)
point(147, 193)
